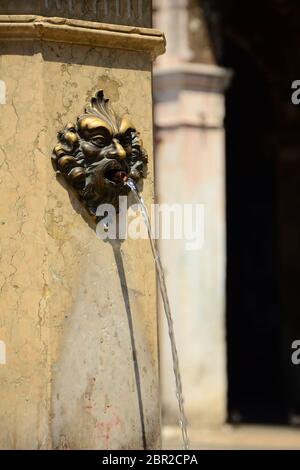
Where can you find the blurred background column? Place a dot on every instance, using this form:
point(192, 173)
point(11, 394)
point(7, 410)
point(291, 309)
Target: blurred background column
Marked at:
point(189, 113)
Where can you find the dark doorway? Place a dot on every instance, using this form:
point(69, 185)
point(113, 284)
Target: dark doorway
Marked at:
point(254, 329)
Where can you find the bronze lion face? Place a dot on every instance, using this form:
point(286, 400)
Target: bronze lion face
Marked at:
point(98, 154)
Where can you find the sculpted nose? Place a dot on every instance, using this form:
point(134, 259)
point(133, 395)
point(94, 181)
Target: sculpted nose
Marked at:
point(119, 149)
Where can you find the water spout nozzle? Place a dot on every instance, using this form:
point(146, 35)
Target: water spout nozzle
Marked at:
point(121, 176)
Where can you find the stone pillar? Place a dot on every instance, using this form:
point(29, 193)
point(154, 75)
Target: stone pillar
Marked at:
point(78, 329)
point(190, 169)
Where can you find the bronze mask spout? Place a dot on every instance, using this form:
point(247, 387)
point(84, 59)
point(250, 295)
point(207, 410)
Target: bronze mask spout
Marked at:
point(98, 154)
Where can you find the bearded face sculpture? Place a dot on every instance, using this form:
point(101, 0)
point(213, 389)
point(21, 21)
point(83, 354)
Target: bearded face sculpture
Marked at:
point(98, 154)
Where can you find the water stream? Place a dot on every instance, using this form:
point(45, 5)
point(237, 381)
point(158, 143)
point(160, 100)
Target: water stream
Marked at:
point(167, 309)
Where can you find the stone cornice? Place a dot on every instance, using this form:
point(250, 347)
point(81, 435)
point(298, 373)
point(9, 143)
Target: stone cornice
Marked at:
point(32, 27)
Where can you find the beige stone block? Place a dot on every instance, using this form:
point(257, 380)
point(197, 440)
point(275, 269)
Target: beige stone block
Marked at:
point(77, 316)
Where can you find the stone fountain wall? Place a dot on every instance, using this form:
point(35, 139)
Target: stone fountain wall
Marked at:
point(77, 316)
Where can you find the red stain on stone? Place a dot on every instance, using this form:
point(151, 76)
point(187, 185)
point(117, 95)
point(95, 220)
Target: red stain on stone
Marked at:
point(103, 428)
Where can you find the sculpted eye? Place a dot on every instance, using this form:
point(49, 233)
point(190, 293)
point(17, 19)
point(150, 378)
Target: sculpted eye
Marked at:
point(126, 139)
point(100, 140)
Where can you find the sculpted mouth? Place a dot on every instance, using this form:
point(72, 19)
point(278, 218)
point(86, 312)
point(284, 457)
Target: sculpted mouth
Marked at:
point(115, 173)
point(116, 176)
